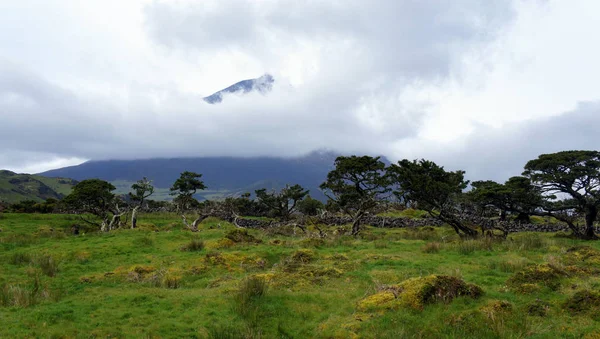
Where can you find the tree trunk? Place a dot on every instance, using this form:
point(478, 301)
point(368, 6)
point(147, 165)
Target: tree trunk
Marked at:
point(459, 228)
point(590, 216)
point(356, 222)
point(194, 226)
point(134, 217)
point(104, 225)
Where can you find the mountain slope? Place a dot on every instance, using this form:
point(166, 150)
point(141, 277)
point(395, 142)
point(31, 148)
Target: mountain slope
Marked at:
point(223, 175)
point(262, 85)
point(18, 187)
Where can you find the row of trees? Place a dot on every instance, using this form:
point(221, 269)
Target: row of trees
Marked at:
point(563, 185)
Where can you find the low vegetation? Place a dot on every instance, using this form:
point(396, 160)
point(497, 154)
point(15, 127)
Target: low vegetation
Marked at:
point(160, 280)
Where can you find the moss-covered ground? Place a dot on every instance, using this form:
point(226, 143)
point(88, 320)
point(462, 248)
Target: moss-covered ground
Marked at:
point(160, 281)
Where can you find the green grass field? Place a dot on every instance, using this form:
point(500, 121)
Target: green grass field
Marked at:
point(159, 281)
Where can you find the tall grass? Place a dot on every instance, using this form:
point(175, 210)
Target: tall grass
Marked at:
point(195, 245)
point(250, 290)
point(48, 265)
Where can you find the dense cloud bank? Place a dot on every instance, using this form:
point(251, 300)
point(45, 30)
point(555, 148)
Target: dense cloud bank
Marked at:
point(479, 85)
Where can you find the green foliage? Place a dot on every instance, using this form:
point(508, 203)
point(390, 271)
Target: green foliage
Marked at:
point(516, 195)
point(575, 174)
point(310, 206)
point(432, 188)
point(92, 196)
point(185, 187)
point(356, 184)
point(142, 189)
point(283, 203)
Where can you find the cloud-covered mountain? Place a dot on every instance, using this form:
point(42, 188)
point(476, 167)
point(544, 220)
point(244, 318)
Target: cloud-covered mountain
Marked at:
point(262, 85)
point(223, 176)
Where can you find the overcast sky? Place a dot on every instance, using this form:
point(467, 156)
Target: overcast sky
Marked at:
point(480, 85)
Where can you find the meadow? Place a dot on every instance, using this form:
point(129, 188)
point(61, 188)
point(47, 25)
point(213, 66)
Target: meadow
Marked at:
point(159, 281)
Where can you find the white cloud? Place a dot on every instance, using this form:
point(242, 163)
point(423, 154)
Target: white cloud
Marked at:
point(114, 79)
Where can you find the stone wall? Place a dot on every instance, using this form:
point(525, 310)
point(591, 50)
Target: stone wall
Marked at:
point(389, 222)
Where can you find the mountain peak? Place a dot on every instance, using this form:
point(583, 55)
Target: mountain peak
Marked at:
point(263, 85)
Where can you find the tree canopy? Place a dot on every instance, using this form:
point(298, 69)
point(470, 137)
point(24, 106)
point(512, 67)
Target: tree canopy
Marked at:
point(96, 197)
point(570, 182)
point(282, 203)
point(434, 189)
point(356, 184)
point(185, 187)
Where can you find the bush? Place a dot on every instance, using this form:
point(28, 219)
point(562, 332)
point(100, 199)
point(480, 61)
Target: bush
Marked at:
point(583, 301)
point(418, 292)
point(195, 245)
point(241, 236)
point(538, 308)
point(529, 278)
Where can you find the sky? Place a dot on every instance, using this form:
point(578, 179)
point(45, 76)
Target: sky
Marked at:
point(478, 85)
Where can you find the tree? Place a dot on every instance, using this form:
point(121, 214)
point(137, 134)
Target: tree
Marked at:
point(570, 182)
point(434, 189)
point(356, 184)
point(310, 206)
point(95, 196)
point(142, 189)
point(516, 195)
point(282, 204)
point(184, 189)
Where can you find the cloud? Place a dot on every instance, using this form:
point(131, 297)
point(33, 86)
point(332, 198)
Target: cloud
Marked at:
point(399, 78)
point(498, 153)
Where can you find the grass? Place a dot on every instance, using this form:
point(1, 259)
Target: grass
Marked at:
point(139, 283)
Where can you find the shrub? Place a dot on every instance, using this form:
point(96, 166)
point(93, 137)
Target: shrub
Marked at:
point(241, 236)
point(538, 308)
point(544, 274)
point(582, 301)
point(195, 245)
point(297, 259)
point(418, 292)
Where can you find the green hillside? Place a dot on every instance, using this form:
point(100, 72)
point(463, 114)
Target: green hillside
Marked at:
point(18, 187)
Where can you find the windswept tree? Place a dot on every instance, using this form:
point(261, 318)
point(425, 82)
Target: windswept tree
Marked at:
point(142, 189)
point(184, 189)
point(283, 203)
point(356, 185)
point(434, 189)
point(570, 182)
point(517, 195)
point(96, 197)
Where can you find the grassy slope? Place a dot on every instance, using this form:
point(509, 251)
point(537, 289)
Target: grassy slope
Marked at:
point(114, 305)
point(31, 187)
